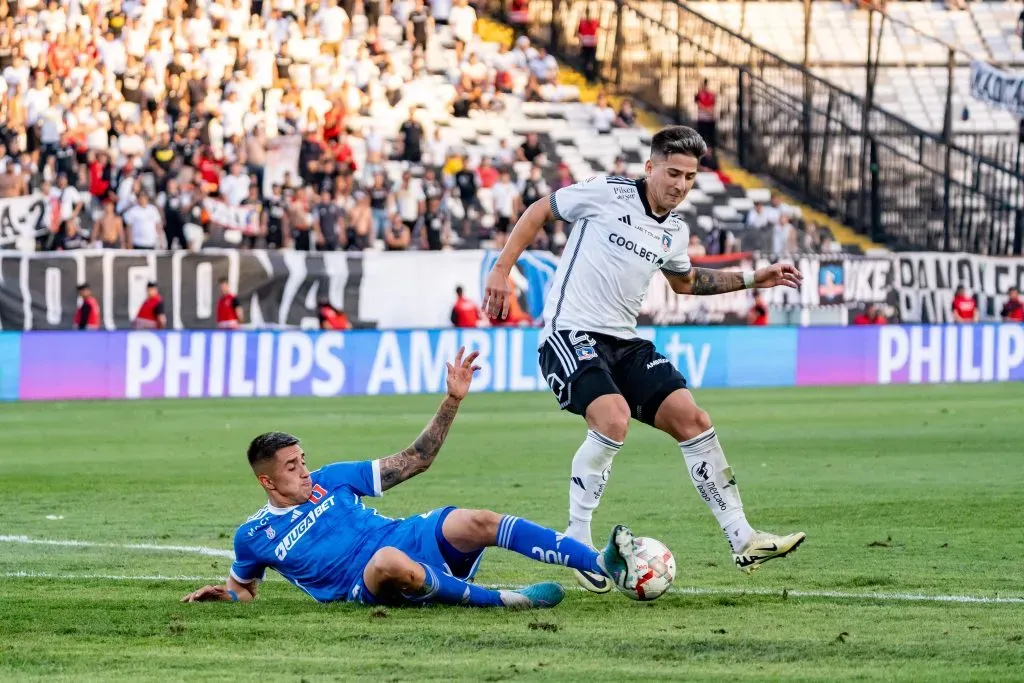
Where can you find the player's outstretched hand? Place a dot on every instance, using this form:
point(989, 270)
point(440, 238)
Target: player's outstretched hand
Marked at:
point(460, 373)
point(207, 594)
point(778, 275)
point(497, 294)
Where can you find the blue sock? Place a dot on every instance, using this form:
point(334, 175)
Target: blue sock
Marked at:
point(445, 589)
point(546, 545)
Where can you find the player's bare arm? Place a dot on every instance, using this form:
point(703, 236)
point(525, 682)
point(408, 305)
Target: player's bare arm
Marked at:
point(418, 456)
point(708, 281)
point(232, 591)
point(497, 287)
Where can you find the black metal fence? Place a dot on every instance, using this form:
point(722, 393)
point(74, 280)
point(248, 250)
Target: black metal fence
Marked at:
point(903, 186)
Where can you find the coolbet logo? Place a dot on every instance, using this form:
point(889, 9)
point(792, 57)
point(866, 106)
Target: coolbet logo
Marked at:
point(289, 541)
point(631, 246)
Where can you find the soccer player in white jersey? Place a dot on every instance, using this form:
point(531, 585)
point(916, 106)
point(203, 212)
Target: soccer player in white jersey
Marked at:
point(623, 232)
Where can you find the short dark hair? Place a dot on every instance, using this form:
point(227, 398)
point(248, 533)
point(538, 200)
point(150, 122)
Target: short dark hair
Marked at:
point(458, 291)
point(222, 280)
point(265, 446)
point(678, 140)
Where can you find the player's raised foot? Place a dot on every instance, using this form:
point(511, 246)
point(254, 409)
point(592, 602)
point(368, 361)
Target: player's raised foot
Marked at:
point(618, 559)
point(764, 546)
point(539, 595)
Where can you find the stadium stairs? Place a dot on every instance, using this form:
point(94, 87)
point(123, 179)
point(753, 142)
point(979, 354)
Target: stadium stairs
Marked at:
point(710, 200)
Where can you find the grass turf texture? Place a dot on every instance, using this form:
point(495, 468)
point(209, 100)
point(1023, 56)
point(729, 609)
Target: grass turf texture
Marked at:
point(900, 489)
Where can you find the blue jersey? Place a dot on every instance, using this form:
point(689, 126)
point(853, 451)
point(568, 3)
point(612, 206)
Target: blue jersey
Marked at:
point(322, 545)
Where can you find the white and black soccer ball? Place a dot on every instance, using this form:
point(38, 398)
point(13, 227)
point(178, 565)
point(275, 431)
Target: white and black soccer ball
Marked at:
point(656, 567)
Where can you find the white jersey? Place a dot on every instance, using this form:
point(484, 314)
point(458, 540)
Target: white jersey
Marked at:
point(616, 246)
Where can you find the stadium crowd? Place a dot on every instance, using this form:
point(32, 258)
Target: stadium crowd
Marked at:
point(164, 124)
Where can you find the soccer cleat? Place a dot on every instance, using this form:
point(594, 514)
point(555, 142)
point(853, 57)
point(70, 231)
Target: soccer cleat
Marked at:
point(595, 583)
point(764, 546)
point(618, 559)
point(539, 595)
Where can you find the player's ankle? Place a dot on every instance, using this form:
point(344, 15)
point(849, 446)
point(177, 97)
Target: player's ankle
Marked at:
point(580, 530)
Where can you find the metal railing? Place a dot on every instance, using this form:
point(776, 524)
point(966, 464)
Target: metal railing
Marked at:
point(895, 182)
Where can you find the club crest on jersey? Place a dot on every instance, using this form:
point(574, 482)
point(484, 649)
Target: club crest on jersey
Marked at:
point(585, 353)
point(666, 241)
point(271, 533)
point(317, 494)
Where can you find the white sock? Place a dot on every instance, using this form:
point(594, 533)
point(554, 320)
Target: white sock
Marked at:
point(591, 467)
point(713, 479)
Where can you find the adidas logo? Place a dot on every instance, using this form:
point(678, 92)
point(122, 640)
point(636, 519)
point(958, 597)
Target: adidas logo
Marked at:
point(296, 514)
point(626, 220)
point(579, 482)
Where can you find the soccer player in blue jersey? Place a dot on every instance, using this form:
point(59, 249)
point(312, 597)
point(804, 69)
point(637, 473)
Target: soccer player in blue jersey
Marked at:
point(316, 532)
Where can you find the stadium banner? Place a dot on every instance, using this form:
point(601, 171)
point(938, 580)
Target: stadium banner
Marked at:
point(22, 220)
point(996, 87)
point(926, 281)
point(910, 354)
point(145, 364)
point(150, 364)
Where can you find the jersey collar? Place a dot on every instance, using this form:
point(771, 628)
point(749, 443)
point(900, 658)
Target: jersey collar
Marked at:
point(280, 511)
point(641, 188)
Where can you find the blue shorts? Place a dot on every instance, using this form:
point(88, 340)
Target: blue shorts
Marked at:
point(421, 539)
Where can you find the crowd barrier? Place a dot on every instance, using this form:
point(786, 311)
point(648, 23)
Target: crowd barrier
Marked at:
point(144, 364)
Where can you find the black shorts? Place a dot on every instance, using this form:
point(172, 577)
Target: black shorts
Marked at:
point(581, 366)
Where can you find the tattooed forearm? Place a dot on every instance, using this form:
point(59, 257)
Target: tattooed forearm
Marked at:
point(707, 281)
point(396, 468)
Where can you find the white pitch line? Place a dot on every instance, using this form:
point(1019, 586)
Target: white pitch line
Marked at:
point(195, 549)
point(687, 590)
point(106, 577)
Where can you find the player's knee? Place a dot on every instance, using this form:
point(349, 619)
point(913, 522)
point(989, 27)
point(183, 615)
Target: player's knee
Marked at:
point(610, 418)
point(701, 421)
point(391, 565)
point(482, 526)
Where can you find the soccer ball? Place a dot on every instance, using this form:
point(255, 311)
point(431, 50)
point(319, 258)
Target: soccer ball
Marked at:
point(656, 567)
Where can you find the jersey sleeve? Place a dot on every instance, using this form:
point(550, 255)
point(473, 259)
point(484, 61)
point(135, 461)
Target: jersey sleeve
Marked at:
point(362, 477)
point(247, 567)
point(580, 200)
point(679, 264)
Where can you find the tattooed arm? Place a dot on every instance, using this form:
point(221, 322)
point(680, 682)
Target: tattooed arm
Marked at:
point(417, 457)
point(708, 281)
point(396, 468)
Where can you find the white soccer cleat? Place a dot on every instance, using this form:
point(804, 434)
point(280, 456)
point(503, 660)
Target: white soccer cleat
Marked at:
point(764, 546)
point(595, 583)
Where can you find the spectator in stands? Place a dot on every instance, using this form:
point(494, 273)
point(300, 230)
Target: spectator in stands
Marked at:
point(758, 313)
point(1013, 309)
point(397, 236)
point(811, 239)
point(144, 225)
point(465, 313)
point(563, 179)
point(435, 226)
point(965, 307)
point(695, 248)
point(707, 117)
point(507, 206)
point(783, 236)
point(109, 230)
point(531, 150)
point(626, 117)
point(757, 218)
point(586, 33)
point(776, 209)
point(87, 317)
point(870, 316)
point(602, 117)
point(330, 317)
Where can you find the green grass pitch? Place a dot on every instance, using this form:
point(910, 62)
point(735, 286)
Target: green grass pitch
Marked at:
point(903, 491)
